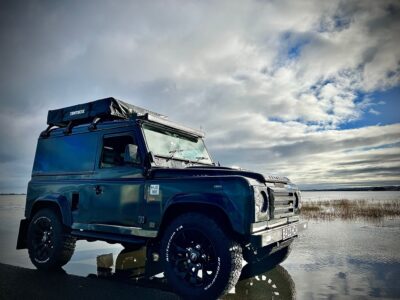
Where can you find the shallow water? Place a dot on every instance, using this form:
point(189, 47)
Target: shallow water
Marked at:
point(351, 195)
point(333, 259)
point(347, 259)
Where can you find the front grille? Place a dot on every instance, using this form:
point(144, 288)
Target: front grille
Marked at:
point(282, 203)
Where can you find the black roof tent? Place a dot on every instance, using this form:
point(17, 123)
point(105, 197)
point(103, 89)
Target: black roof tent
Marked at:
point(106, 109)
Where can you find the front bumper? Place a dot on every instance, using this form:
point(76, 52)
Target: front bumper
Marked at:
point(279, 234)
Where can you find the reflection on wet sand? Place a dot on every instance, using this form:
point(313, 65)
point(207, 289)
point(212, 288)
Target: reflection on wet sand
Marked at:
point(23, 283)
point(274, 284)
point(130, 267)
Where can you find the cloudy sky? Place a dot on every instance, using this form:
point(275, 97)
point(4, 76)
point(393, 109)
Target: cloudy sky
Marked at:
point(308, 89)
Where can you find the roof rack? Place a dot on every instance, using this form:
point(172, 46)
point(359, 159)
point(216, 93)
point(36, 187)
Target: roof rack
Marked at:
point(92, 113)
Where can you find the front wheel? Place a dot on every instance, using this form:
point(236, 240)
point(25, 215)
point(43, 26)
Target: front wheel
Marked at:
point(200, 260)
point(50, 246)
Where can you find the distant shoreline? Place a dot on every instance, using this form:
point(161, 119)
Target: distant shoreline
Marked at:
point(12, 194)
point(355, 189)
point(358, 189)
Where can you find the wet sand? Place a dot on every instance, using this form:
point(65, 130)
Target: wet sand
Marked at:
point(333, 259)
point(22, 283)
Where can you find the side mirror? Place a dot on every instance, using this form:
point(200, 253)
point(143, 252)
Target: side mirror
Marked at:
point(131, 154)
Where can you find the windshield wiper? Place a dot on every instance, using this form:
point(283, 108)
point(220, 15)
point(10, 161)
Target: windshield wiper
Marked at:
point(173, 152)
point(200, 158)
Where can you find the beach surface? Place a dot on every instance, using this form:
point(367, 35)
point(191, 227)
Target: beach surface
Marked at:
point(332, 259)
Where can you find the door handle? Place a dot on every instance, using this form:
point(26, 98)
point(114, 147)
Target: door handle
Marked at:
point(98, 189)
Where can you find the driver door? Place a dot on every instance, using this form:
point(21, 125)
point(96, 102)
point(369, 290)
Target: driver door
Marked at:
point(117, 194)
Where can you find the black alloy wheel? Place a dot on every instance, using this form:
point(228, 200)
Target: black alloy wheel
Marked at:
point(193, 257)
point(43, 234)
point(50, 245)
point(201, 260)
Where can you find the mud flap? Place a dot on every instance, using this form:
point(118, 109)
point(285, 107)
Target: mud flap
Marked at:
point(22, 234)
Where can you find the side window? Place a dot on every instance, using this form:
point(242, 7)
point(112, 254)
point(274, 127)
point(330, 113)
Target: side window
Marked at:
point(117, 151)
point(74, 153)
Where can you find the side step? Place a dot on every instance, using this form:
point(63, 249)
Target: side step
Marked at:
point(108, 237)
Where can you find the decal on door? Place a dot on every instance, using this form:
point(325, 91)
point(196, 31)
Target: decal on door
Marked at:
point(154, 189)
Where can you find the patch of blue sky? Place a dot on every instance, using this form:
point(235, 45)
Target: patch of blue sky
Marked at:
point(293, 43)
point(334, 23)
point(294, 51)
point(383, 109)
point(319, 84)
point(276, 119)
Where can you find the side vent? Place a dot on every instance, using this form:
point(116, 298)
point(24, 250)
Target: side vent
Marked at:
point(75, 201)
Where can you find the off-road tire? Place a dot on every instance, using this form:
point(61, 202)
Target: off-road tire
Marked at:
point(54, 251)
point(220, 257)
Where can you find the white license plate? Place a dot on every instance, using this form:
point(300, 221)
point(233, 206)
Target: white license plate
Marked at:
point(289, 232)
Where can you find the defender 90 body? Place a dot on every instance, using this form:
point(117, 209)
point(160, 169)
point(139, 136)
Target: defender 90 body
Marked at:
point(107, 170)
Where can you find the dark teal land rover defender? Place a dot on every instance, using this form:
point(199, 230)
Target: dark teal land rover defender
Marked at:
point(107, 170)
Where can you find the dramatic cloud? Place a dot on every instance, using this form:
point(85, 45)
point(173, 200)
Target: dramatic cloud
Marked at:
point(276, 84)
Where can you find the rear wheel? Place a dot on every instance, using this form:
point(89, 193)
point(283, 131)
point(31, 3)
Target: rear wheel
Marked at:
point(200, 260)
point(50, 245)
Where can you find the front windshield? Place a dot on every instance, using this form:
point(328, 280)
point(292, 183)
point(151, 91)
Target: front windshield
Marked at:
point(171, 145)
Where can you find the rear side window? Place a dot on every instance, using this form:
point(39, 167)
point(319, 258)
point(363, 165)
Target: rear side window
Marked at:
point(67, 154)
point(113, 152)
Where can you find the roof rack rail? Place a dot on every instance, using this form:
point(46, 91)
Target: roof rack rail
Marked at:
point(46, 132)
point(92, 113)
